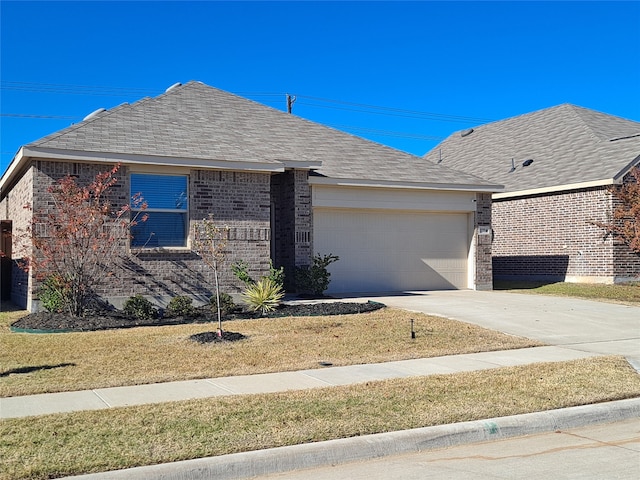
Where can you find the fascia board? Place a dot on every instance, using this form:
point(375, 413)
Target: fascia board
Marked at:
point(12, 170)
point(71, 155)
point(555, 188)
point(620, 175)
point(345, 182)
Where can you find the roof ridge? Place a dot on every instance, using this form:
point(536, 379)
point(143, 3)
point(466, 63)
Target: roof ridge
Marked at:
point(581, 112)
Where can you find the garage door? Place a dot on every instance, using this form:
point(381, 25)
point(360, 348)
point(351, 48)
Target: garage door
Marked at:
point(393, 251)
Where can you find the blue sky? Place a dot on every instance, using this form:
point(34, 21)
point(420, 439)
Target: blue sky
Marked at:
point(399, 73)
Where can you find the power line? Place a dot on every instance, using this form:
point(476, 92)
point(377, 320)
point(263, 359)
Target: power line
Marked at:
point(28, 115)
point(307, 100)
point(398, 112)
point(74, 89)
point(386, 133)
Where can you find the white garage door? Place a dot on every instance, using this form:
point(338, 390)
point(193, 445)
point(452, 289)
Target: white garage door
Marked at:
point(393, 251)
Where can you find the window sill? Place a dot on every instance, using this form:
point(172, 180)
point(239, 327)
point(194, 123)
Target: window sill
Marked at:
point(139, 250)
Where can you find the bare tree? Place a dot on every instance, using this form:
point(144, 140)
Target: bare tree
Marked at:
point(625, 222)
point(209, 242)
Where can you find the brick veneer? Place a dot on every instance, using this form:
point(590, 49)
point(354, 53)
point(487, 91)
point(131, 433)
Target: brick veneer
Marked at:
point(239, 200)
point(12, 207)
point(551, 237)
point(293, 222)
point(483, 262)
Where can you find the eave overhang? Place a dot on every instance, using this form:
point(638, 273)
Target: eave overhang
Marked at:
point(455, 187)
point(616, 180)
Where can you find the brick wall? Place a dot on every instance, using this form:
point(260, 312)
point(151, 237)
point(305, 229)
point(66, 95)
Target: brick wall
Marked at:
point(550, 237)
point(626, 263)
point(238, 200)
point(483, 262)
point(12, 207)
point(293, 222)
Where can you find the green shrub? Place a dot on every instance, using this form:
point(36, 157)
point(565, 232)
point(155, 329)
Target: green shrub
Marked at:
point(276, 274)
point(226, 303)
point(264, 296)
point(140, 308)
point(315, 278)
point(240, 270)
point(54, 294)
point(180, 306)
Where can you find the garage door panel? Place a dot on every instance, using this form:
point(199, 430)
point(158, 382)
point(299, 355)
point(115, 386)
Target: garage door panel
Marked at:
point(392, 251)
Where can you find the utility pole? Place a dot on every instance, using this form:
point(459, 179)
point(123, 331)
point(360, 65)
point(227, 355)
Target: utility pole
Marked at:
point(290, 101)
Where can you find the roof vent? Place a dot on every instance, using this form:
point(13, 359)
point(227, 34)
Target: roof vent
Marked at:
point(94, 114)
point(175, 85)
point(466, 132)
point(528, 162)
point(513, 166)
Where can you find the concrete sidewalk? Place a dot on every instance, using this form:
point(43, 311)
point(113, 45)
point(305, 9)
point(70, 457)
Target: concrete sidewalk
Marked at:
point(103, 398)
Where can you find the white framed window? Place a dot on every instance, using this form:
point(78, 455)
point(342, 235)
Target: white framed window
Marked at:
point(167, 211)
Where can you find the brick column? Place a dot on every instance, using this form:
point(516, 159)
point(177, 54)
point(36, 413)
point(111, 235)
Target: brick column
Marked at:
point(483, 278)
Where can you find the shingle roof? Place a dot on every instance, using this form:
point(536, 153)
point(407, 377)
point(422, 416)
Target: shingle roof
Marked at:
point(569, 145)
point(201, 122)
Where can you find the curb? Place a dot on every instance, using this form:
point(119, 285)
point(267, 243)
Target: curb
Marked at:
point(245, 465)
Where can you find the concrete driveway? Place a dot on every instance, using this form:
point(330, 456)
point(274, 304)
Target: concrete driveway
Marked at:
point(583, 325)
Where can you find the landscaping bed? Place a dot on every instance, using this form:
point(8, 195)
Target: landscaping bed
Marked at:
point(115, 319)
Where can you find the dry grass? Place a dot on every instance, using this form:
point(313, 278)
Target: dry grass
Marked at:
point(627, 293)
point(68, 444)
point(76, 361)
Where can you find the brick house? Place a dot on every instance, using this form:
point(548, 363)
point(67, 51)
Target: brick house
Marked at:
point(287, 188)
point(556, 165)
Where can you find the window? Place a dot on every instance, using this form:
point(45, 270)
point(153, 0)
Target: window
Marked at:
point(167, 210)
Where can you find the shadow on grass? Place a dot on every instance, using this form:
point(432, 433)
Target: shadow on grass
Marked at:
point(520, 284)
point(22, 370)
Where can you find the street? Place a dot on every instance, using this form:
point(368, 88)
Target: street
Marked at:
point(609, 451)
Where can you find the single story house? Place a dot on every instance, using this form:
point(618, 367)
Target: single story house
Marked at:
point(287, 188)
point(557, 166)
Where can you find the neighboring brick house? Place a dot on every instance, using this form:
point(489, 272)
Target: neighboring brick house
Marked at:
point(556, 165)
point(286, 187)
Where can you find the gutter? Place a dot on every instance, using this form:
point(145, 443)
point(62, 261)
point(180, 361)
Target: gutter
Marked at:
point(456, 187)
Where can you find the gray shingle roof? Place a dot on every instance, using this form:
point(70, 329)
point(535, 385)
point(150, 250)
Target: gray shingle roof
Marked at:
point(568, 145)
point(202, 122)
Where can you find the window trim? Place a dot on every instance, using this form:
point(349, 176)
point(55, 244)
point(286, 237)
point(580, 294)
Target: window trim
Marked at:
point(186, 248)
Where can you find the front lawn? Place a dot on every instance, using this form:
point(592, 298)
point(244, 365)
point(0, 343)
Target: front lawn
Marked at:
point(51, 446)
point(41, 363)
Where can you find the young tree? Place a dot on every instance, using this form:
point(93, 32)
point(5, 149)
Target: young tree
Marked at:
point(209, 242)
point(625, 222)
point(76, 239)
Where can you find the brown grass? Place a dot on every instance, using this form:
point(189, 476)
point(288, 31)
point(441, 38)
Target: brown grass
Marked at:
point(78, 361)
point(67, 444)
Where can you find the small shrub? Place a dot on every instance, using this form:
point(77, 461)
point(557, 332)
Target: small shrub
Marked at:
point(140, 308)
point(180, 306)
point(226, 303)
point(315, 278)
point(54, 294)
point(240, 270)
point(276, 274)
point(264, 296)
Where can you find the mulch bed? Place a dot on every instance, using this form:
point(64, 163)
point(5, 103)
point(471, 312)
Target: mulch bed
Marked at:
point(115, 319)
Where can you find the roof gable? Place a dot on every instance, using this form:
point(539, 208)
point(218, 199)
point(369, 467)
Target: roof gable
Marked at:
point(198, 122)
point(569, 146)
